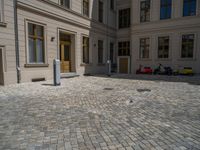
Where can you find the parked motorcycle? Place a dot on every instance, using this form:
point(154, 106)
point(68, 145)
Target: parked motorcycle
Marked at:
point(161, 70)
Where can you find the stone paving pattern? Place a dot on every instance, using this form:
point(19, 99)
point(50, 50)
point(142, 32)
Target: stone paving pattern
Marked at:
point(99, 113)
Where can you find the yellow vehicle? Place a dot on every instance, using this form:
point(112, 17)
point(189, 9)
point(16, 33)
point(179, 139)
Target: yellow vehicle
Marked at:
point(186, 71)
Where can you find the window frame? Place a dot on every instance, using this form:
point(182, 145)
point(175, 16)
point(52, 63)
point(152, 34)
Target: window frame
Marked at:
point(28, 63)
point(102, 62)
point(127, 48)
point(169, 47)
point(126, 15)
point(83, 62)
point(83, 12)
point(149, 52)
point(194, 46)
point(166, 6)
point(100, 15)
point(64, 5)
point(141, 21)
point(112, 5)
point(196, 9)
point(2, 11)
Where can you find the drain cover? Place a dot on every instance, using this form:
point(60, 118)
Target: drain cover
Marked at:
point(108, 89)
point(143, 90)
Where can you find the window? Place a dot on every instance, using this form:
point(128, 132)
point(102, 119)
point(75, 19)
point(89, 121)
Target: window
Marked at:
point(86, 7)
point(163, 47)
point(124, 18)
point(65, 3)
point(100, 51)
point(86, 50)
point(189, 7)
point(36, 48)
point(187, 46)
point(124, 48)
point(1, 11)
point(144, 48)
point(145, 11)
point(100, 11)
point(112, 52)
point(112, 4)
point(165, 9)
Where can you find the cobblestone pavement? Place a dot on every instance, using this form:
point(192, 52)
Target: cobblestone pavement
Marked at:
point(100, 113)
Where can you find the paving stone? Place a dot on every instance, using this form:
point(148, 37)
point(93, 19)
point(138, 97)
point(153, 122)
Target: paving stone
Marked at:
point(80, 114)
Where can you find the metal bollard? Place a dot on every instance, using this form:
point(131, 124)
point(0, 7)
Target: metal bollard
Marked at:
point(56, 72)
point(109, 67)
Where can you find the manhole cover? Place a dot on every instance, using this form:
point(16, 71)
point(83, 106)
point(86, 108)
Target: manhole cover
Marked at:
point(143, 90)
point(108, 89)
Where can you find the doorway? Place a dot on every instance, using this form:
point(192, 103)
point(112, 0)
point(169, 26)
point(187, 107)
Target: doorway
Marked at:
point(123, 65)
point(66, 52)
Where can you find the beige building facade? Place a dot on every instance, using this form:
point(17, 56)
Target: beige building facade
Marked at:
point(84, 34)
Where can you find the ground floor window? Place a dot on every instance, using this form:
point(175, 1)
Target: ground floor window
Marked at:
point(187, 46)
point(36, 48)
point(100, 51)
point(85, 50)
point(112, 52)
point(144, 48)
point(163, 47)
point(124, 48)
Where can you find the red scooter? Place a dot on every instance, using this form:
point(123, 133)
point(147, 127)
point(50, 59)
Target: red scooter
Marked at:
point(144, 70)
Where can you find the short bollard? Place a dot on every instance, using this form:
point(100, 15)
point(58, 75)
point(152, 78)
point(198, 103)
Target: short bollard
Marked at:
point(56, 72)
point(109, 67)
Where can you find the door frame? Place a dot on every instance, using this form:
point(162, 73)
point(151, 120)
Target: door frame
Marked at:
point(2, 58)
point(74, 42)
point(118, 65)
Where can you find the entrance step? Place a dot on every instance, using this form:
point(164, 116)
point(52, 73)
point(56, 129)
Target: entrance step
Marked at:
point(69, 75)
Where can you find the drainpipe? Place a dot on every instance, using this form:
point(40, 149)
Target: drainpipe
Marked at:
point(16, 41)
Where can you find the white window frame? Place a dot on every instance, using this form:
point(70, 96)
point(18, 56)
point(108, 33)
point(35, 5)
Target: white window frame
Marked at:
point(65, 7)
point(1, 11)
point(88, 9)
point(195, 46)
point(27, 42)
point(170, 47)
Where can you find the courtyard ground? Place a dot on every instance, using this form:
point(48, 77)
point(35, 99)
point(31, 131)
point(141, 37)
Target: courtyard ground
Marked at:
point(100, 113)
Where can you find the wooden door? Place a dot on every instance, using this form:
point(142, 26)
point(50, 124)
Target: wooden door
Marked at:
point(65, 63)
point(123, 65)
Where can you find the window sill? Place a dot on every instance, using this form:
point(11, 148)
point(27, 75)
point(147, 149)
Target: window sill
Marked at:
point(163, 59)
point(101, 64)
point(3, 24)
point(85, 64)
point(186, 59)
point(144, 59)
point(36, 65)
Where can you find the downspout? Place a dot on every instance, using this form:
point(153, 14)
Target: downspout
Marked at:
point(16, 41)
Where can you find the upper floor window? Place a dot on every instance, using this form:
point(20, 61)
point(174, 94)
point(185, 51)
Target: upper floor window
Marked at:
point(124, 48)
point(124, 18)
point(101, 11)
point(86, 7)
point(112, 4)
point(144, 48)
point(65, 3)
point(86, 50)
point(165, 9)
point(189, 7)
point(163, 47)
point(145, 10)
point(187, 46)
point(1, 11)
point(100, 51)
point(36, 45)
